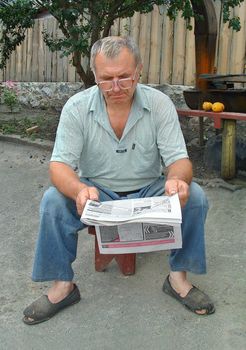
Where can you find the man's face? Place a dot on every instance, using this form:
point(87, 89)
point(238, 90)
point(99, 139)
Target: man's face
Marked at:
point(121, 67)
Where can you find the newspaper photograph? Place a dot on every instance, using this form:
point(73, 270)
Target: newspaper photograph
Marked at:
point(138, 238)
point(162, 210)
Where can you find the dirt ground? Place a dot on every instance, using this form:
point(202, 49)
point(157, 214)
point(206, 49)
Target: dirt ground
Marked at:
point(19, 123)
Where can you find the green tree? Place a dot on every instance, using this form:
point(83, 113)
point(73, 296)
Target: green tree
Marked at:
point(82, 22)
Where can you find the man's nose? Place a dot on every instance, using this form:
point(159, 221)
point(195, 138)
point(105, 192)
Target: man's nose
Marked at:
point(116, 87)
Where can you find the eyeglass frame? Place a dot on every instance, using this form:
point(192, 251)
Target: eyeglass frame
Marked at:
point(113, 82)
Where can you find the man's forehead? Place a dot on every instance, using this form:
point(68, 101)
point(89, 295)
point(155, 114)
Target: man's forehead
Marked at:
point(124, 56)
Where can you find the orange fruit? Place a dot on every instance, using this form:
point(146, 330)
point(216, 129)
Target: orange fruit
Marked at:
point(218, 107)
point(207, 106)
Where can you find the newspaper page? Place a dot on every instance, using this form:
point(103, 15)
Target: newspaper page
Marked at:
point(162, 210)
point(138, 238)
point(135, 225)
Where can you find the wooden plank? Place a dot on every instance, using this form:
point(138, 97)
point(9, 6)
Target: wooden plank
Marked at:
point(64, 68)
point(144, 44)
point(71, 71)
point(48, 26)
point(217, 7)
point(115, 28)
point(12, 67)
point(35, 44)
point(135, 26)
point(1, 75)
point(224, 49)
point(125, 24)
point(190, 59)
point(24, 54)
point(29, 55)
point(54, 54)
point(7, 70)
point(1, 71)
point(41, 52)
point(167, 50)
point(179, 51)
point(217, 117)
point(238, 43)
point(155, 47)
point(59, 67)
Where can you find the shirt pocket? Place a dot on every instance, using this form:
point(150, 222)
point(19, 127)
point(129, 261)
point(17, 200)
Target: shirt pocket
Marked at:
point(146, 159)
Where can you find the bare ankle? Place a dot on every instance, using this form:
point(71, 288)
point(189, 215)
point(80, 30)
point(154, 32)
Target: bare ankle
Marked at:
point(178, 281)
point(63, 284)
point(59, 290)
point(178, 275)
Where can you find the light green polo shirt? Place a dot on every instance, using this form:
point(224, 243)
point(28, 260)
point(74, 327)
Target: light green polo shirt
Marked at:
point(152, 138)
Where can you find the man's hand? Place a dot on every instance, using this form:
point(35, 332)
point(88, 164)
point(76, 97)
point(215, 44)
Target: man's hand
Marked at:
point(179, 176)
point(173, 186)
point(85, 194)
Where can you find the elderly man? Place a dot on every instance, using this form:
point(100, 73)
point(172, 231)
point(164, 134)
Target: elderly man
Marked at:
point(112, 143)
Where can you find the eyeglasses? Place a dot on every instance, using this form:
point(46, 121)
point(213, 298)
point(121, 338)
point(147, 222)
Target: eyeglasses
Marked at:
point(124, 84)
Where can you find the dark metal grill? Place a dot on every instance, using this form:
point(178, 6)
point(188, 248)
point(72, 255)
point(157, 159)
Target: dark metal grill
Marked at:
point(220, 88)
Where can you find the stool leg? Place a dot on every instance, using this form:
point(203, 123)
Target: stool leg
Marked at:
point(127, 263)
point(101, 260)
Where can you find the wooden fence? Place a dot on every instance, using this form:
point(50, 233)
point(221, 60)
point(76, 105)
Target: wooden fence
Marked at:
point(167, 48)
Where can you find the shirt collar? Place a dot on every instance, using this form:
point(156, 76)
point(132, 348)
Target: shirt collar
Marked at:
point(97, 102)
point(97, 107)
point(140, 99)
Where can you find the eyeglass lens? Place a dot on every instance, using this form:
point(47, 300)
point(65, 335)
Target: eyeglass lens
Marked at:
point(122, 83)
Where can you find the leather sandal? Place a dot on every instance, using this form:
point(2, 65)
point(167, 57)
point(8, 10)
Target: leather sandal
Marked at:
point(42, 309)
point(195, 300)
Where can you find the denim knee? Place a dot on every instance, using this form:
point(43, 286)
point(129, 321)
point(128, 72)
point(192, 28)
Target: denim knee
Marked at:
point(197, 197)
point(55, 203)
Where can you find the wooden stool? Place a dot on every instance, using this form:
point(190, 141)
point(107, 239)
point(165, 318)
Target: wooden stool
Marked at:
point(126, 262)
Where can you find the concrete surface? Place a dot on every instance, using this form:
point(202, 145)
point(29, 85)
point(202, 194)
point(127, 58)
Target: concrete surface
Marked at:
point(116, 312)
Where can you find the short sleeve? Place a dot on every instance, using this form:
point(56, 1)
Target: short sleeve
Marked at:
point(170, 139)
point(69, 137)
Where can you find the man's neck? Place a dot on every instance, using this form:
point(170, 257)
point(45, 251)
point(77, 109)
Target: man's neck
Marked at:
point(118, 115)
point(115, 108)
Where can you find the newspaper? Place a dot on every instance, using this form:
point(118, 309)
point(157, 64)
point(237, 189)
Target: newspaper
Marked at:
point(135, 225)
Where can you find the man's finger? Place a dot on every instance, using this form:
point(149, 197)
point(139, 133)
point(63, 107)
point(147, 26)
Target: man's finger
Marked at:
point(93, 192)
point(173, 191)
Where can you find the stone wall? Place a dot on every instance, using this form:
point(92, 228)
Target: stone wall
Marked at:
point(46, 95)
point(54, 95)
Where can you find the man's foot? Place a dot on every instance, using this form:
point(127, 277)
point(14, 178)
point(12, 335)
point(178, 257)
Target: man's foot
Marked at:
point(60, 295)
point(59, 290)
point(177, 286)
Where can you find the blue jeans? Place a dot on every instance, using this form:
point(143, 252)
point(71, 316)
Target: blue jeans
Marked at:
point(59, 225)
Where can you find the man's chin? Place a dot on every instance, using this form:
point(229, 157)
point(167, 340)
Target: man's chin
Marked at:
point(117, 100)
point(118, 97)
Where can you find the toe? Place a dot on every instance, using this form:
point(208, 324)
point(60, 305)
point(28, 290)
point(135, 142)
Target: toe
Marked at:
point(201, 312)
point(27, 320)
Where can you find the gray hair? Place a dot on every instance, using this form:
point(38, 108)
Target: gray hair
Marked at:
point(111, 47)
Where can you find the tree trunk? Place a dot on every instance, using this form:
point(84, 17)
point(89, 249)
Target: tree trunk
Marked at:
point(87, 77)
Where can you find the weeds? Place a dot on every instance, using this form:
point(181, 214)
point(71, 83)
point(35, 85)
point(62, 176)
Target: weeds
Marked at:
point(9, 95)
point(19, 123)
point(15, 126)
